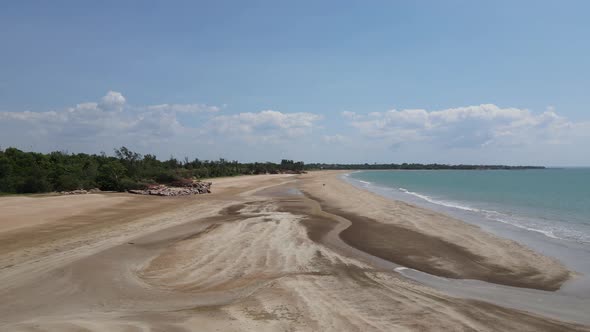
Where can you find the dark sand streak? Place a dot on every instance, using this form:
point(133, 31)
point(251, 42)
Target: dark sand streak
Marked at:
point(430, 254)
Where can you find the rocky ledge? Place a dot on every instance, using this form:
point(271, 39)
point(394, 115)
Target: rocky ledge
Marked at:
point(194, 188)
point(80, 192)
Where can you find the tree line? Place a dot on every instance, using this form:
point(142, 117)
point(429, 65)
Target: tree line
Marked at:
point(32, 172)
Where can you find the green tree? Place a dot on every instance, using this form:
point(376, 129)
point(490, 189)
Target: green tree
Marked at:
point(110, 175)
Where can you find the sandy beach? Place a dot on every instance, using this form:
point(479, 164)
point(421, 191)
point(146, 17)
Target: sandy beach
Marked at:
point(266, 253)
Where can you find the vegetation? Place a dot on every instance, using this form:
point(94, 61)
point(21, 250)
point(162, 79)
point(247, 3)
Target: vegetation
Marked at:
point(406, 166)
point(31, 172)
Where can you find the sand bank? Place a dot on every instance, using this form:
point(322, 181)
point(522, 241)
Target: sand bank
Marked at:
point(254, 255)
point(432, 242)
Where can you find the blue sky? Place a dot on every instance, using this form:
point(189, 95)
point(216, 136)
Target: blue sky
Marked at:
point(379, 81)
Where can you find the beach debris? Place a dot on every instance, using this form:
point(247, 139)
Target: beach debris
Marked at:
point(183, 188)
point(291, 172)
point(75, 192)
point(80, 191)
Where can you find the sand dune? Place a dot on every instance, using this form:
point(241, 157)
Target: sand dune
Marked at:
point(254, 255)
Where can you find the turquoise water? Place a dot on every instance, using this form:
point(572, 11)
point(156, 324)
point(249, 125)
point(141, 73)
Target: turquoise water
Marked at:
point(554, 202)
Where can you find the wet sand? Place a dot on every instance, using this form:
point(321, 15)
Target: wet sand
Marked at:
point(432, 242)
point(434, 255)
point(254, 255)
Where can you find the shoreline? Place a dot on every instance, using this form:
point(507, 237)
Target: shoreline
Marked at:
point(570, 253)
point(436, 243)
point(559, 302)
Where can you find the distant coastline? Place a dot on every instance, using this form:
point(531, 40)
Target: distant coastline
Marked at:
point(415, 166)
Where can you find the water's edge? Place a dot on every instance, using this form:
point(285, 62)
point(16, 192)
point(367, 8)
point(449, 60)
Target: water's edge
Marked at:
point(570, 303)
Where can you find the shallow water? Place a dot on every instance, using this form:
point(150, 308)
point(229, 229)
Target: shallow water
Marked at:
point(553, 202)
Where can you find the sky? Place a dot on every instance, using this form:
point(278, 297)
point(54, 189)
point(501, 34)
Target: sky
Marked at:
point(495, 82)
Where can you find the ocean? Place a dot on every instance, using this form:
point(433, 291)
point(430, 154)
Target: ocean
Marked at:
point(553, 202)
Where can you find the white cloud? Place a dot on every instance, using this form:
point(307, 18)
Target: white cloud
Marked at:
point(111, 122)
point(471, 127)
point(93, 126)
point(185, 108)
point(112, 101)
point(264, 126)
point(483, 133)
point(350, 115)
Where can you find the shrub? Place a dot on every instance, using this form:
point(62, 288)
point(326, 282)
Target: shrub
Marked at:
point(130, 184)
point(33, 184)
point(167, 177)
point(68, 182)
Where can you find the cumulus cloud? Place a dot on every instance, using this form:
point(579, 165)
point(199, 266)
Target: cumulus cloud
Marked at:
point(470, 134)
point(264, 126)
point(102, 125)
point(112, 101)
point(111, 122)
point(472, 126)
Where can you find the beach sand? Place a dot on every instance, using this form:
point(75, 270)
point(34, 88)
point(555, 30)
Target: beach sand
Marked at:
point(264, 253)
